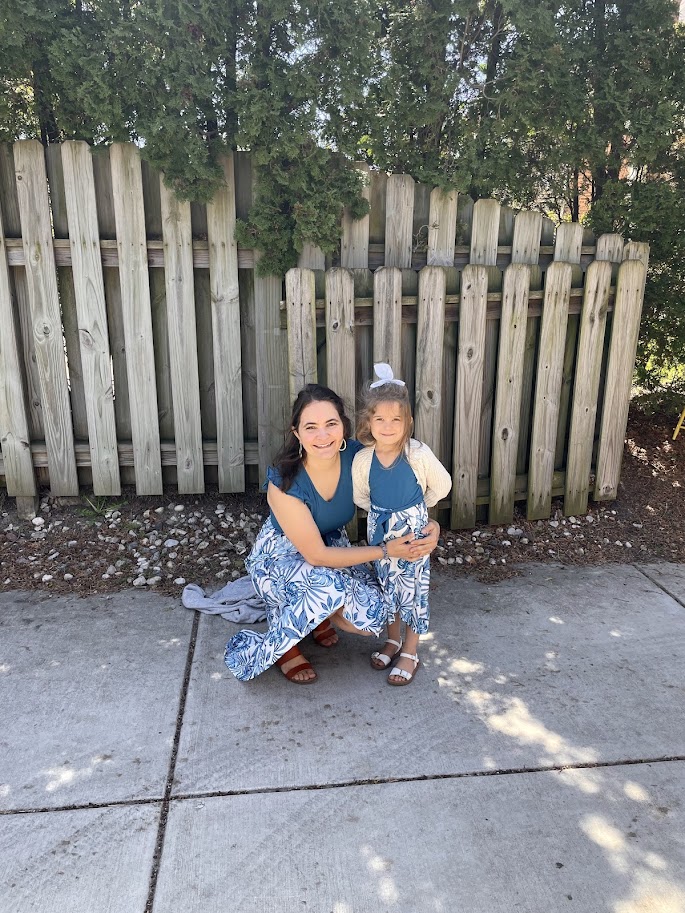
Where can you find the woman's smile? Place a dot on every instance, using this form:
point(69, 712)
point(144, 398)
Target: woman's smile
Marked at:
point(320, 430)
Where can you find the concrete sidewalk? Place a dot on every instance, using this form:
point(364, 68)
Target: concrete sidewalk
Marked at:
point(536, 765)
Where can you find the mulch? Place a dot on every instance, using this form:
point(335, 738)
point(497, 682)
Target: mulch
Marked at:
point(84, 541)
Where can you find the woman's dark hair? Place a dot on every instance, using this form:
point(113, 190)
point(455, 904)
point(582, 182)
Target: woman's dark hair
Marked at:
point(288, 459)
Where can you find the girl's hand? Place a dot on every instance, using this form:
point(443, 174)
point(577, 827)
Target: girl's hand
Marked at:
point(402, 547)
point(422, 547)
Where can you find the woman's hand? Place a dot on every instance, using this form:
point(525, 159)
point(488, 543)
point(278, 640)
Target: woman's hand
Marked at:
point(401, 547)
point(419, 548)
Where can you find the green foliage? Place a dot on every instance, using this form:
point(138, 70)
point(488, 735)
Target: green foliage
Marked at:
point(576, 108)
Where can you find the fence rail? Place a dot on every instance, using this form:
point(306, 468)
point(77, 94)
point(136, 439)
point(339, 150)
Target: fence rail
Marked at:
point(138, 345)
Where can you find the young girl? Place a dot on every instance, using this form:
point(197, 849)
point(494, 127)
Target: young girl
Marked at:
point(396, 479)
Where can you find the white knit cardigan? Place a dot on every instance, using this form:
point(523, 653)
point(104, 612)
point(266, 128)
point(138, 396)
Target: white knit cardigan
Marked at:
point(434, 479)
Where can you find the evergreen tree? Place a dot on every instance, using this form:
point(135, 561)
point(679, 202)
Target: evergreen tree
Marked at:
point(564, 106)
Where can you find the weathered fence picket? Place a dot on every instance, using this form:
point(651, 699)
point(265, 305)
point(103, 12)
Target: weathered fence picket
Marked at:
point(67, 295)
point(484, 243)
point(399, 220)
point(567, 249)
point(548, 389)
point(180, 356)
point(626, 319)
point(512, 340)
point(89, 290)
point(528, 228)
point(354, 244)
point(387, 316)
point(583, 414)
point(340, 333)
point(430, 329)
point(223, 277)
point(301, 303)
point(467, 409)
point(46, 323)
point(442, 227)
point(180, 309)
point(127, 189)
point(15, 440)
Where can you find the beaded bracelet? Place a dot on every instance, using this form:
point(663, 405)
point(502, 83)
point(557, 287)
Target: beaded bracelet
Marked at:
point(384, 549)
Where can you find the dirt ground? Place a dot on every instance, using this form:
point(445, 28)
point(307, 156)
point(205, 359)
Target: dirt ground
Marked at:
point(98, 545)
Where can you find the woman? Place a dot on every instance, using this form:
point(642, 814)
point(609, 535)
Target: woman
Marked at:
point(302, 564)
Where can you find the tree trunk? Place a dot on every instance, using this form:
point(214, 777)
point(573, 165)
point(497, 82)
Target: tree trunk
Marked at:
point(45, 111)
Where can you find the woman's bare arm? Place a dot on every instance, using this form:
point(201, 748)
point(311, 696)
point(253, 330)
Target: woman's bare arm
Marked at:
point(298, 525)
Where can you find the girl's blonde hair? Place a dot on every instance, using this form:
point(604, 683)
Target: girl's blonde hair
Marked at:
point(371, 398)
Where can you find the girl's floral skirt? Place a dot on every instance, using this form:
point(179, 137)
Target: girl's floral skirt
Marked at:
point(404, 583)
point(299, 597)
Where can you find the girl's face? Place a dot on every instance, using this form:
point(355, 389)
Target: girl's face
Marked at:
point(320, 430)
point(388, 425)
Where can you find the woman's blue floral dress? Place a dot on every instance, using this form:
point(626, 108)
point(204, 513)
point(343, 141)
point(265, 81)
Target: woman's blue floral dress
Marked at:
point(299, 596)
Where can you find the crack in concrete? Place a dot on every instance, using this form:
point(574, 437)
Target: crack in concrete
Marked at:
point(661, 586)
point(341, 784)
point(166, 800)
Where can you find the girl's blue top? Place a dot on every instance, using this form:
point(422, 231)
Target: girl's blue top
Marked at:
point(329, 516)
point(391, 489)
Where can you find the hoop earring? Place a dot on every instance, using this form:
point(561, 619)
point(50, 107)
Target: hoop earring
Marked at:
point(343, 446)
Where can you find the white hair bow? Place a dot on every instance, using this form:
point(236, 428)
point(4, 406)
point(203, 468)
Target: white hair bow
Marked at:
point(385, 373)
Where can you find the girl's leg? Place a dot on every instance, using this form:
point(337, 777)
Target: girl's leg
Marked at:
point(389, 648)
point(411, 646)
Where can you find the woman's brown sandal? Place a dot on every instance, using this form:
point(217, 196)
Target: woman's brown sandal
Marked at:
point(324, 632)
point(302, 666)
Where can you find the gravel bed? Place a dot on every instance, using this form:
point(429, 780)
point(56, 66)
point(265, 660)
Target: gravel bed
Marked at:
point(101, 545)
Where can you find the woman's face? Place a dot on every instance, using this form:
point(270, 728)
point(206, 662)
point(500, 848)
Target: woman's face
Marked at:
point(320, 430)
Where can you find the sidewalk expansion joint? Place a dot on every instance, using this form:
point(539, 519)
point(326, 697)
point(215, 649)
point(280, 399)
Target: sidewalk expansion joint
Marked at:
point(164, 811)
point(661, 586)
point(341, 784)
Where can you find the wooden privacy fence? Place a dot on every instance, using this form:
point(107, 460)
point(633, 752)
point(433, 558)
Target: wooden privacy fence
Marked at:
point(138, 345)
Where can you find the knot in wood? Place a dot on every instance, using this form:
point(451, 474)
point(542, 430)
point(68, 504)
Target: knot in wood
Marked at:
point(86, 339)
point(46, 330)
point(335, 325)
point(505, 434)
point(469, 352)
